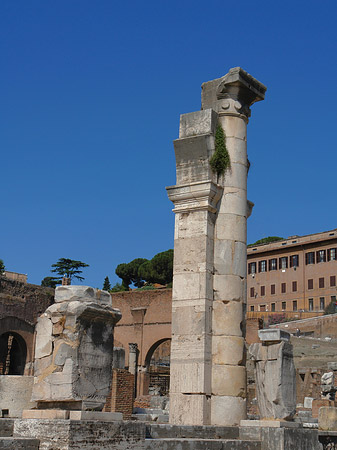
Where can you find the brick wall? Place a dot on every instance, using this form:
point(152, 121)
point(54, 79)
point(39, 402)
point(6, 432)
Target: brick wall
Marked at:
point(23, 301)
point(120, 398)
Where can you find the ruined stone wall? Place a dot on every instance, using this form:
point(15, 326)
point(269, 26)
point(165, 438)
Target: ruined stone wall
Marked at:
point(120, 398)
point(23, 301)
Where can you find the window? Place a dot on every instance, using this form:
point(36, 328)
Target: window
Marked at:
point(252, 308)
point(252, 293)
point(252, 268)
point(294, 261)
point(273, 264)
point(311, 304)
point(263, 291)
point(321, 282)
point(284, 306)
point(333, 298)
point(273, 307)
point(272, 289)
point(283, 262)
point(321, 256)
point(310, 258)
point(262, 307)
point(283, 288)
point(333, 280)
point(295, 305)
point(321, 303)
point(294, 286)
point(310, 283)
point(263, 266)
point(332, 254)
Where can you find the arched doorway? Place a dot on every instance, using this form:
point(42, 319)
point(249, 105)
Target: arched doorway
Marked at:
point(13, 354)
point(158, 367)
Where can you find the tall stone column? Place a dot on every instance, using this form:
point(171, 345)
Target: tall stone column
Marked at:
point(208, 380)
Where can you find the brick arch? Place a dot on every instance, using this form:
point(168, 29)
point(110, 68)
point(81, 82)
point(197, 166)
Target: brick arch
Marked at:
point(12, 345)
point(24, 334)
point(152, 349)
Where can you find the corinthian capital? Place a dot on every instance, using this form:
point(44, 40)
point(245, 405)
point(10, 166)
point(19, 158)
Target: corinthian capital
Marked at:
point(233, 94)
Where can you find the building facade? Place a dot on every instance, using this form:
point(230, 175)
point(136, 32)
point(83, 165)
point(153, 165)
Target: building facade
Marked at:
point(296, 276)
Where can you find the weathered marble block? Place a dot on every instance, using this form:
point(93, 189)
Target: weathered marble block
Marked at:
point(74, 349)
point(275, 378)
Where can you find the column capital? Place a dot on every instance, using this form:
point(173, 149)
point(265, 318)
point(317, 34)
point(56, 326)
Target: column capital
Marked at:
point(196, 196)
point(233, 94)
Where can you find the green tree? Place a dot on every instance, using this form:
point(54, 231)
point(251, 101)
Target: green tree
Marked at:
point(159, 269)
point(267, 240)
point(50, 282)
point(106, 285)
point(331, 308)
point(118, 288)
point(69, 268)
point(128, 272)
point(2, 267)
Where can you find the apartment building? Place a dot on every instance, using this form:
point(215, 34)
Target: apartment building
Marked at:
point(297, 274)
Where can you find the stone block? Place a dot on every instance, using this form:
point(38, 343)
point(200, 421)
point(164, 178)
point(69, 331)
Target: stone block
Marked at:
point(194, 224)
point(227, 350)
point(332, 365)
point(190, 378)
point(227, 317)
point(233, 201)
point(231, 227)
point(185, 348)
point(229, 381)
point(44, 338)
point(186, 286)
point(327, 379)
point(192, 159)
point(15, 394)
point(275, 379)
point(230, 258)
point(273, 335)
point(191, 320)
point(196, 123)
point(236, 177)
point(235, 129)
point(327, 418)
point(95, 415)
point(82, 294)
point(227, 410)
point(228, 287)
point(45, 414)
point(189, 409)
point(269, 423)
point(308, 402)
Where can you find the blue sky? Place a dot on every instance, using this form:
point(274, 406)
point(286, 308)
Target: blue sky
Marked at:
point(91, 94)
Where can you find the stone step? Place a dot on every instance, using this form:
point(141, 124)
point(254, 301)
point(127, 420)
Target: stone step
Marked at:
point(12, 443)
point(159, 418)
point(162, 431)
point(201, 444)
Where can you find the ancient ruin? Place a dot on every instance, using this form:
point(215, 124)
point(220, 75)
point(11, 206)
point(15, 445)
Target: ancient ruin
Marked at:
point(74, 350)
point(208, 378)
point(275, 375)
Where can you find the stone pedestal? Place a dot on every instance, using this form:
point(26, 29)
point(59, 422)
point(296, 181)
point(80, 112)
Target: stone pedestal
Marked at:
point(74, 350)
point(275, 375)
point(207, 369)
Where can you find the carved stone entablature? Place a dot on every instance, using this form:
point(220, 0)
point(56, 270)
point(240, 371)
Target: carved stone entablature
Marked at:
point(233, 94)
point(195, 196)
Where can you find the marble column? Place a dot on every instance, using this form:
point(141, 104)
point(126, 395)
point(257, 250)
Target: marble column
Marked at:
point(208, 380)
